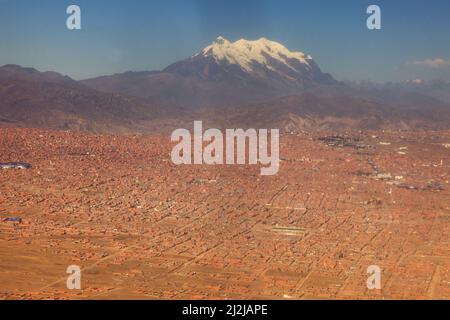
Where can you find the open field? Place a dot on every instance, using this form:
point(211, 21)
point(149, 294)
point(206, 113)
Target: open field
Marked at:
point(141, 227)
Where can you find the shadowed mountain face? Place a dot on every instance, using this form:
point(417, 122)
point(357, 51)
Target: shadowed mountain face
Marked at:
point(222, 74)
point(48, 99)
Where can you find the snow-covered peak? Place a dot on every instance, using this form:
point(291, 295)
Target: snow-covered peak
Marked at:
point(221, 41)
point(246, 53)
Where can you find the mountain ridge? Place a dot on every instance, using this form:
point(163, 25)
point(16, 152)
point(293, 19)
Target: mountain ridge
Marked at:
point(256, 83)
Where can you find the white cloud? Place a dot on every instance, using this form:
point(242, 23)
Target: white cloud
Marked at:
point(433, 63)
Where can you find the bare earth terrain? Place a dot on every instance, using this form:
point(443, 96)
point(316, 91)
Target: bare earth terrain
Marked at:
point(141, 227)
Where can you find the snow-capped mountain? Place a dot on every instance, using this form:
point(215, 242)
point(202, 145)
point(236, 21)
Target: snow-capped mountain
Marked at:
point(223, 73)
point(267, 62)
point(250, 54)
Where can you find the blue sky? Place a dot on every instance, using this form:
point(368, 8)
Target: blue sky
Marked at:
point(122, 35)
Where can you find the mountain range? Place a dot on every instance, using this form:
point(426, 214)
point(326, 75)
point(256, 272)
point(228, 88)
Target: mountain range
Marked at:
point(227, 84)
point(49, 100)
point(222, 74)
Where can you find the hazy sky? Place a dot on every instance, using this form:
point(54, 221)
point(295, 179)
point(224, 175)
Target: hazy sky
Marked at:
point(122, 35)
